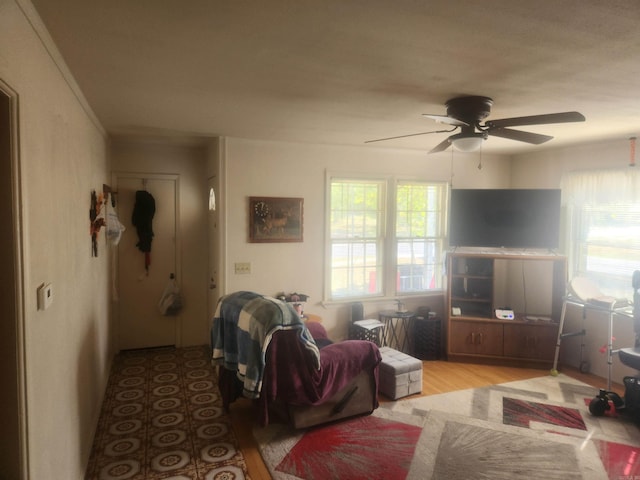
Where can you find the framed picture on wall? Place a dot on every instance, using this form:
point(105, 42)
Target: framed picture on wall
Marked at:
point(275, 219)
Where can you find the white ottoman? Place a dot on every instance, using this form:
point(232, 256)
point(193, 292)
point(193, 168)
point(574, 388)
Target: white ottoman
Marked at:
point(400, 374)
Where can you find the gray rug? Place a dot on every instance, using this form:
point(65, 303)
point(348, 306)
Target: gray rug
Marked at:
point(533, 429)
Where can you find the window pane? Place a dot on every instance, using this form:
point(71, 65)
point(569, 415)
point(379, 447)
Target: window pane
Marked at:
point(608, 246)
point(355, 232)
point(419, 236)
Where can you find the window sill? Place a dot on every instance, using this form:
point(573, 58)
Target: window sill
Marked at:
point(381, 299)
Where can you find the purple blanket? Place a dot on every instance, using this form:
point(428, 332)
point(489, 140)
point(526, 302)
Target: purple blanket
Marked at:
point(290, 376)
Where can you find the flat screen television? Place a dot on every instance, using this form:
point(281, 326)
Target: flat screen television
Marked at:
point(510, 218)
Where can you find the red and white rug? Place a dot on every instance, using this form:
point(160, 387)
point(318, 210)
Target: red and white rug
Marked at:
point(532, 429)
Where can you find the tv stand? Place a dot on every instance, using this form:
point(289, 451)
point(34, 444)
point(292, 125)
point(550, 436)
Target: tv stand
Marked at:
point(481, 280)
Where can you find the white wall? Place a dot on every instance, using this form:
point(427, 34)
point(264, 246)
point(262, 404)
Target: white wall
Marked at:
point(544, 169)
point(274, 169)
point(190, 164)
point(62, 158)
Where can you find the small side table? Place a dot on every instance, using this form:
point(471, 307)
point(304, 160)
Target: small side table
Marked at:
point(396, 331)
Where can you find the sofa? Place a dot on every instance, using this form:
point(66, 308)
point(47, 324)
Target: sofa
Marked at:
point(288, 367)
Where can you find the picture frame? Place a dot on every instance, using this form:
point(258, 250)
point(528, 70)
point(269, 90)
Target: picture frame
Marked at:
point(276, 219)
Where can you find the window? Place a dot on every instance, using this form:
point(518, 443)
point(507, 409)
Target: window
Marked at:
point(604, 228)
point(607, 245)
point(419, 236)
point(357, 237)
point(368, 258)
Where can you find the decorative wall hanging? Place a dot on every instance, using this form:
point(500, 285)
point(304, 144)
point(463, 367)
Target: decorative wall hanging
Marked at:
point(97, 214)
point(275, 219)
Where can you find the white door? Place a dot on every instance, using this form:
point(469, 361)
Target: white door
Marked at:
point(139, 322)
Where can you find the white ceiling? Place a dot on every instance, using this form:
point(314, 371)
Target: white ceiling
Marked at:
point(347, 71)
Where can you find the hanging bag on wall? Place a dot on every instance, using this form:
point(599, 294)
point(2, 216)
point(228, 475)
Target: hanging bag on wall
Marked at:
point(114, 227)
point(171, 300)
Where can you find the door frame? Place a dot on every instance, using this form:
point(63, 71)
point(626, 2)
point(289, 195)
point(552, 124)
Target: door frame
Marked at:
point(15, 310)
point(213, 241)
point(175, 178)
point(217, 246)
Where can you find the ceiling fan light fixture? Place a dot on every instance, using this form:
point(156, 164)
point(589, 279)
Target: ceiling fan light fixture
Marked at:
point(467, 142)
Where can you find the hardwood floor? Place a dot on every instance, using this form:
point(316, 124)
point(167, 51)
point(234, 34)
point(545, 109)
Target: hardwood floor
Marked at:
point(438, 377)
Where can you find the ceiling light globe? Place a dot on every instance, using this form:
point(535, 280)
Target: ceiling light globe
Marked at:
point(467, 142)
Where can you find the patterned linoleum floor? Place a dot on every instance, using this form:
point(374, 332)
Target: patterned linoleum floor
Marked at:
point(162, 418)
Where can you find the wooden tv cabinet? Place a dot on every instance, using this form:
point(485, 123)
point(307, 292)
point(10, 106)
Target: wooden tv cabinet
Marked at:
point(483, 280)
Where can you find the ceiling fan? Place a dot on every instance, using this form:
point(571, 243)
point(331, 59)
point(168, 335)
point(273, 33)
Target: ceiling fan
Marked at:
point(468, 113)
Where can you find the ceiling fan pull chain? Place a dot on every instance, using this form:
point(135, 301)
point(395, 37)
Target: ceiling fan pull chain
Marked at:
point(451, 177)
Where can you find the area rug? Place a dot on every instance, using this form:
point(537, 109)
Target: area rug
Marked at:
point(162, 418)
point(531, 429)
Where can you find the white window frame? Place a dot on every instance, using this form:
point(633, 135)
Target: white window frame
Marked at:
point(388, 241)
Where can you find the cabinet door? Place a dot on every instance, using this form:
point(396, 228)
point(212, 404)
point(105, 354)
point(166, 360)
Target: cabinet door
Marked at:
point(530, 341)
point(476, 338)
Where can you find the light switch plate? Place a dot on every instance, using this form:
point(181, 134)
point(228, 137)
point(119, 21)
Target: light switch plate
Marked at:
point(242, 268)
point(45, 296)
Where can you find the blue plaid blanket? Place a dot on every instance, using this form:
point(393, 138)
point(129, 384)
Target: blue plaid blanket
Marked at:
point(242, 327)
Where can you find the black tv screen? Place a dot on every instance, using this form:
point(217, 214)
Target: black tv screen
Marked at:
point(510, 218)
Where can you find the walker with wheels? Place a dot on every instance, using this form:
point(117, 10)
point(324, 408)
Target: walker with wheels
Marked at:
point(629, 404)
point(583, 293)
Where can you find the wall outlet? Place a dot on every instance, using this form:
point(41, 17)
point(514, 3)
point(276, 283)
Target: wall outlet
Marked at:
point(242, 268)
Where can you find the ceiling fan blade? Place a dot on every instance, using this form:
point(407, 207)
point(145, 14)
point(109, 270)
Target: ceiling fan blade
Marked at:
point(409, 135)
point(446, 119)
point(519, 135)
point(443, 145)
point(564, 117)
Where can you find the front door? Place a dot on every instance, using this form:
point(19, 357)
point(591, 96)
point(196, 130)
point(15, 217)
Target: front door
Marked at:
point(139, 287)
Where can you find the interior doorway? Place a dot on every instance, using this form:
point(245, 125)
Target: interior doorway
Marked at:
point(139, 285)
point(12, 402)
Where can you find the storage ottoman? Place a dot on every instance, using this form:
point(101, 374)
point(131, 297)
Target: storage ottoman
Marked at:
point(400, 374)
